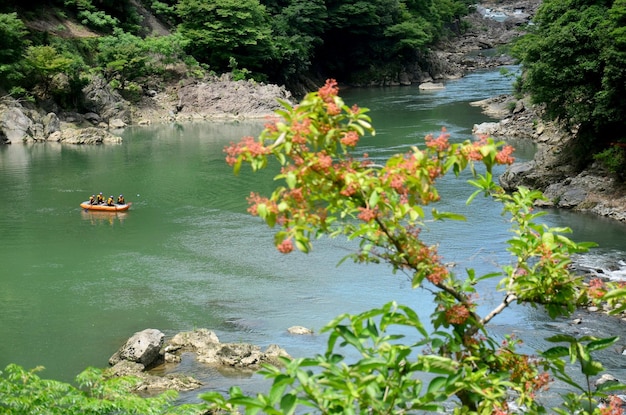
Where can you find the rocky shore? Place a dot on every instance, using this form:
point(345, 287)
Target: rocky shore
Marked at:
point(594, 189)
point(107, 111)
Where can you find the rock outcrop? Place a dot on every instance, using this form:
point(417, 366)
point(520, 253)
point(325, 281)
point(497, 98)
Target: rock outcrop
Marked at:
point(147, 349)
point(107, 111)
point(552, 170)
point(143, 347)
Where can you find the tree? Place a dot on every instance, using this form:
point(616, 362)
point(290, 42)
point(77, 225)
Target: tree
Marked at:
point(224, 29)
point(122, 57)
point(44, 63)
point(573, 63)
point(297, 30)
point(12, 46)
point(326, 190)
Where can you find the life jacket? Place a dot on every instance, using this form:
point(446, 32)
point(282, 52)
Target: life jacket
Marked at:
point(100, 198)
point(92, 200)
point(110, 201)
point(120, 200)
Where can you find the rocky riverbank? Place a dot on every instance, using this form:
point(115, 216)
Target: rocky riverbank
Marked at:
point(594, 189)
point(107, 112)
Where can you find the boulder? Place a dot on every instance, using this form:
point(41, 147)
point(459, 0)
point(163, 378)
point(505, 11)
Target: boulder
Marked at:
point(143, 347)
point(431, 86)
point(51, 124)
point(152, 383)
point(221, 97)
point(15, 125)
point(101, 99)
point(299, 330)
point(90, 135)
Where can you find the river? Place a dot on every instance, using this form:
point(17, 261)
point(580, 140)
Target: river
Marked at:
point(76, 285)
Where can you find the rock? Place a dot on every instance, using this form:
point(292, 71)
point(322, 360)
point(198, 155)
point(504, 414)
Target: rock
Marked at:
point(90, 135)
point(485, 128)
point(101, 99)
point(606, 378)
point(93, 118)
point(299, 330)
point(194, 340)
point(152, 383)
point(126, 368)
point(431, 86)
point(143, 347)
point(51, 124)
point(15, 125)
point(207, 348)
point(117, 123)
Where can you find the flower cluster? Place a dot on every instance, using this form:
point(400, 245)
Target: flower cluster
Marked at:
point(615, 406)
point(596, 289)
point(504, 155)
point(248, 147)
point(457, 314)
point(440, 143)
point(256, 201)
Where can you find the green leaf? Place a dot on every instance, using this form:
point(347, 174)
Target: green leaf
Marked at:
point(447, 215)
point(619, 293)
point(602, 343)
point(437, 384)
point(291, 180)
point(373, 200)
point(556, 352)
point(288, 403)
point(561, 338)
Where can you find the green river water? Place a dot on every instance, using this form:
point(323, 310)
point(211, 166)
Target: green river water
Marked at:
point(75, 285)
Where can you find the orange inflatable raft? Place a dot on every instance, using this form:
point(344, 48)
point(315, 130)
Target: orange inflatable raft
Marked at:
point(103, 207)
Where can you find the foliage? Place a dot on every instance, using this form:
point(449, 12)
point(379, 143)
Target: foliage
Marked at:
point(219, 30)
point(362, 34)
point(403, 365)
point(287, 42)
point(23, 392)
point(105, 16)
point(43, 63)
point(12, 45)
point(574, 62)
point(122, 57)
point(297, 28)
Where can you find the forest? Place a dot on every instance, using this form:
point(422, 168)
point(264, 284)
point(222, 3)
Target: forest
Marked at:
point(282, 42)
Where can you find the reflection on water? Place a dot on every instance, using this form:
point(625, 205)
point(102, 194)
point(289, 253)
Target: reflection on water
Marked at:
point(111, 218)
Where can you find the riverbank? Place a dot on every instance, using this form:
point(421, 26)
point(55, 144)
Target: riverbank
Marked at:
point(593, 190)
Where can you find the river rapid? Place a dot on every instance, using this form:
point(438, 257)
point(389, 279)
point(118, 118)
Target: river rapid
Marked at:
point(76, 285)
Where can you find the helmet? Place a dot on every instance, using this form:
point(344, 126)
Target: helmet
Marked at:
point(121, 195)
point(93, 195)
point(111, 196)
point(100, 192)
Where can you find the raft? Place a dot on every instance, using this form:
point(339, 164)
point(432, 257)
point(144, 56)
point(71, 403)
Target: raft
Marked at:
point(104, 207)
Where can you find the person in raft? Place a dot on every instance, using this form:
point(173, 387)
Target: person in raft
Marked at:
point(92, 199)
point(100, 198)
point(120, 200)
point(110, 201)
